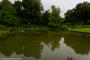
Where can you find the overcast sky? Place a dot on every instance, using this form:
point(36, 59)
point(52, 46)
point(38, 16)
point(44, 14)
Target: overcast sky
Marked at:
point(63, 4)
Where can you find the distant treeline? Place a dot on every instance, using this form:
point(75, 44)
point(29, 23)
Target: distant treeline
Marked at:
point(31, 12)
point(28, 12)
point(79, 15)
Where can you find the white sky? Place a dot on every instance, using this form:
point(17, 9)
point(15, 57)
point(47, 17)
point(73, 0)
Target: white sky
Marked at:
point(63, 4)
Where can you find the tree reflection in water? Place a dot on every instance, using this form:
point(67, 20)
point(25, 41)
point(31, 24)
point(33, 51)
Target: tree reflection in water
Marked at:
point(46, 46)
point(79, 42)
point(29, 44)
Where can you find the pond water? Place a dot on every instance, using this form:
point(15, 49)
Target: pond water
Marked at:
point(51, 45)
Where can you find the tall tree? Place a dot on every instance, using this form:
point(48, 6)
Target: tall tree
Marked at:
point(55, 17)
point(79, 15)
point(19, 11)
point(18, 7)
point(32, 10)
point(69, 17)
point(8, 13)
point(46, 17)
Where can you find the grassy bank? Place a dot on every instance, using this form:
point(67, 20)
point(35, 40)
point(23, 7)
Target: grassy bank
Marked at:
point(82, 30)
point(5, 30)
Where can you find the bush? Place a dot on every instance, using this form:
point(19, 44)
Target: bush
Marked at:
point(52, 25)
point(3, 27)
point(64, 27)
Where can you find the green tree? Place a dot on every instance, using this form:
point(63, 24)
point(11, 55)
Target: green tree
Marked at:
point(69, 17)
point(79, 15)
point(46, 17)
point(18, 7)
point(32, 11)
point(8, 14)
point(54, 18)
point(19, 11)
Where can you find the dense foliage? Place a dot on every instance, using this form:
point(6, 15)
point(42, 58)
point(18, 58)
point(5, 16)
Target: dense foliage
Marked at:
point(45, 17)
point(8, 14)
point(54, 19)
point(28, 12)
point(31, 12)
point(79, 15)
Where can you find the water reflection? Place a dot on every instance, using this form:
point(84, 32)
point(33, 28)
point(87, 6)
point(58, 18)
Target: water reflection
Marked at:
point(46, 46)
point(29, 45)
point(79, 42)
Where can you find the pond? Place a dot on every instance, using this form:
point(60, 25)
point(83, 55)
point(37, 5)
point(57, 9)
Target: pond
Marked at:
point(51, 45)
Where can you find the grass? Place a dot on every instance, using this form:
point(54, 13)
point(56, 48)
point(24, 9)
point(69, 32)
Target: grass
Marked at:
point(2, 31)
point(83, 30)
